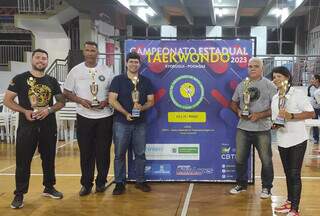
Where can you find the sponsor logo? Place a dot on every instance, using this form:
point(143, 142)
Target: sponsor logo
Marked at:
point(225, 150)
point(162, 169)
point(158, 169)
point(228, 153)
point(188, 170)
point(154, 149)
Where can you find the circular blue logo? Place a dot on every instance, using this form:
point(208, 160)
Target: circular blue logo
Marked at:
point(186, 92)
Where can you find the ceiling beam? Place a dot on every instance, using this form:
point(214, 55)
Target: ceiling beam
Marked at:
point(237, 15)
point(266, 10)
point(132, 11)
point(212, 15)
point(158, 10)
point(186, 12)
point(292, 12)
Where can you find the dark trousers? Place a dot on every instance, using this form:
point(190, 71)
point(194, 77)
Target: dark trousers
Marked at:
point(94, 140)
point(41, 134)
point(316, 129)
point(292, 159)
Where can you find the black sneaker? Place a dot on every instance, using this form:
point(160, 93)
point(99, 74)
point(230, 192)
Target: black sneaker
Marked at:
point(119, 189)
point(84, 191)
point(17, 202)
point(237, 189)
point(53, 193)
point(265, 193)
point(101, 189)
point(143, 186)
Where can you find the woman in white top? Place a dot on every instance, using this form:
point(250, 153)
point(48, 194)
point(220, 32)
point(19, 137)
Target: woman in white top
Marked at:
point(292, 138)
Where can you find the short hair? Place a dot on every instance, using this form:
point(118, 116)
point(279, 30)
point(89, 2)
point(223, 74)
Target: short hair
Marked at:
point(284, 71)
point(317, 77)
point(256, 59)
point(40, 51)
point(92, 43)
point(132, 55)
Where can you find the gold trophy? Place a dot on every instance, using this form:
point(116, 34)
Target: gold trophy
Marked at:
point(33, 95)
point(280, 121)
point(246, 98)
point(94, 89)
point(135, 98)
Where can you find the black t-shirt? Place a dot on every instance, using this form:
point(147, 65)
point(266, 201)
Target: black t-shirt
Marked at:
point(123, 86)
point(43, 87)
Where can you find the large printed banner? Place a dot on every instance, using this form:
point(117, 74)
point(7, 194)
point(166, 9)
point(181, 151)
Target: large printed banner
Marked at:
point(191, 129)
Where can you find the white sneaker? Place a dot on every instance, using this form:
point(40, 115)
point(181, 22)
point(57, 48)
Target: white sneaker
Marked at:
point(293, 213)
point(237, 189)
point(284, 208)
point(265, 193)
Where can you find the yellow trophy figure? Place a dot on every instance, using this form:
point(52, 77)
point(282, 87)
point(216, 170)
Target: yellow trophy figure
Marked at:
point(135, 98)
point(280, 121)
point(32, 94)
point(246, 98)
point(94, 88)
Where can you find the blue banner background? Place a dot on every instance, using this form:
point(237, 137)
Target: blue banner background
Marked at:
point(191, 151)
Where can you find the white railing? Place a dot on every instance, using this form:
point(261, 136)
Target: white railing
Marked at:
point(13, 52)
point(36, 6)
point(58, 69)
point(302, 67)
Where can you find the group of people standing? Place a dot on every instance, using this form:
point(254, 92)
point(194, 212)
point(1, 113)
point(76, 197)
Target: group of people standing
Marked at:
point(112, 118)
point(265, 107)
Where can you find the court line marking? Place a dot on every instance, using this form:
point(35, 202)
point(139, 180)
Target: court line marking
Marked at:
point(34, 157)
point(187, 200)
point(57, 174)
point(303, 177)
point(78, 174)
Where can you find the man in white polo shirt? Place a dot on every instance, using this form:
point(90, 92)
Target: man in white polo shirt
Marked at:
point(94, 119)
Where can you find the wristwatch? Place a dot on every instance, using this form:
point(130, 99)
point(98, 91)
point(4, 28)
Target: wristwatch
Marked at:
point(50, 110)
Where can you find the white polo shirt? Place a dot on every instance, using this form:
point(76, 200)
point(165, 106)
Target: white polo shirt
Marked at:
point(79, 81)
point(294, 131)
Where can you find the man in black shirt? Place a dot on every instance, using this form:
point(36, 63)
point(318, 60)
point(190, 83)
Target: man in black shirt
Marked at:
point(37, 124)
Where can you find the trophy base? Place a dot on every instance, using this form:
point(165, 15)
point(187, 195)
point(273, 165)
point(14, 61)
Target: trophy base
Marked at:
point(33, 113)
point(95, 104)
point(245, 114)
point(279, 123)
point(135, 113)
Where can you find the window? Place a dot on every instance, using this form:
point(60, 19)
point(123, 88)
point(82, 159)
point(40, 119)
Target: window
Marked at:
point(191, 31)
point(280, 40)
point(236, 32)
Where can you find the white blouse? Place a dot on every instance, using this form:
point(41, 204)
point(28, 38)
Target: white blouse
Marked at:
point(294, 131)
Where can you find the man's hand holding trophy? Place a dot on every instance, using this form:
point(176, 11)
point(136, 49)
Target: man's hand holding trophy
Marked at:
point(94, 89)
point(33, 99)
point(135, 98)
point(244, 113)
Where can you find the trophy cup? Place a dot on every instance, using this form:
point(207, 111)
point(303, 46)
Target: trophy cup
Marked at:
point(94, 89)
point(135, 98)
point(280, 121)
point(246, 98)
point(32, 94)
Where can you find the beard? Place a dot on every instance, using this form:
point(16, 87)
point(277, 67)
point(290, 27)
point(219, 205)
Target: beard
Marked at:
point(41, 69)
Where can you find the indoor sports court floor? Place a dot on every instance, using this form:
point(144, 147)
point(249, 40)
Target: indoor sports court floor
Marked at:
point(166, 199)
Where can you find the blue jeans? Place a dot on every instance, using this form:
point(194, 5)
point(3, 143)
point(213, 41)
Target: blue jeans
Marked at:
point(125, 135)
point(262, 141)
